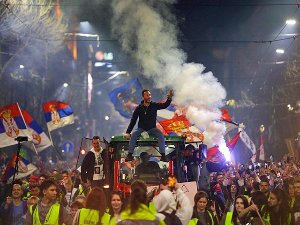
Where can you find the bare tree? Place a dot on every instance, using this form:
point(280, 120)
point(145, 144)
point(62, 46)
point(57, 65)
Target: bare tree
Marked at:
point(30, 25)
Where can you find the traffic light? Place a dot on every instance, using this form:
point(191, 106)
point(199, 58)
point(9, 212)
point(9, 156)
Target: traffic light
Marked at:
point(82, 152)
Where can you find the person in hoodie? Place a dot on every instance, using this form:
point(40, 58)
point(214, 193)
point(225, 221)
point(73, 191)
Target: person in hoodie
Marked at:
point(165, 205)
point(94, 164)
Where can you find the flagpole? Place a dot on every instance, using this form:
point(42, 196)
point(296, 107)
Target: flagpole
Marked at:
point(38, 158)
point(58, 151)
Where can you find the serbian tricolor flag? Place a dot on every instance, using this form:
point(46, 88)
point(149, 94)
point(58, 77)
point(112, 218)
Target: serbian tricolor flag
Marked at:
point(58, 114)
point(12, 125)
point(25, 168)
point(215, 155)
point(179, 125)
point(39, 138)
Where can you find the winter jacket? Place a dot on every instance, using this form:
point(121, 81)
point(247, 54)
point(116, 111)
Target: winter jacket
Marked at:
point(147, 115)
point(165, 202)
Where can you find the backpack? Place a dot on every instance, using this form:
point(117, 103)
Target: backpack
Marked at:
point(171, 219)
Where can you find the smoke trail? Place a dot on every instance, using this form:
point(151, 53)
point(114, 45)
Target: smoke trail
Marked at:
point(147, 30)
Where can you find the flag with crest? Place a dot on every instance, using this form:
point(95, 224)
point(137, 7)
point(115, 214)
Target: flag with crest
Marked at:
point(127, 97)
point(25, 168)
point(12, 125)
point(58, 114)
point(179, 125)
point(39, 138)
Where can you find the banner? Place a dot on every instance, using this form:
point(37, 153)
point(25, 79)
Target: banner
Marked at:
point(25, 168)
point(12, 125)
point(58, 114)
point(247, 141)
point(39, 138)
point(127, 97)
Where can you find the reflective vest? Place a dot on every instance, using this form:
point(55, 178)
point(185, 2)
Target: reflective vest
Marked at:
point(152, 207)
point(266, 216)
point(81, 191)
point(292, 203)
point(194, 221)
point(51, 217)
point(91, 217)
point(27, 196)
point(228, 220)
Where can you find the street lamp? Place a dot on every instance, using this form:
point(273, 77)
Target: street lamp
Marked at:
point(291, 22)
point(280, 51)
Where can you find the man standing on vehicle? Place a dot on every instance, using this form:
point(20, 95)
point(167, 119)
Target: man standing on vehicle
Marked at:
point(147, 113)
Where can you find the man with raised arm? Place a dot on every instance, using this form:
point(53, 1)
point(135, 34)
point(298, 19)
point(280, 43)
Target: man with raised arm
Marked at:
point(147, 113)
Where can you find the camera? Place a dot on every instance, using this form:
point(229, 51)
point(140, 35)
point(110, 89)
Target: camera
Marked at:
point(20, 139)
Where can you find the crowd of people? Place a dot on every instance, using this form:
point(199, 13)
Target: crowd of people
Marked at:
point(253, 193)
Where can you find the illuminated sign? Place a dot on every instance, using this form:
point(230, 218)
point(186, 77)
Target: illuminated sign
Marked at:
point(104, 56)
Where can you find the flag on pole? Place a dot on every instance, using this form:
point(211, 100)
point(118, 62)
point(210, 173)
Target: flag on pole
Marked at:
point(247, 141)
point(127, 97)
point(231, 144)
point(262, 150)
point(39, 138)
point(225, 115)
point(25, 168)
point(12, 125)
point(58, 114)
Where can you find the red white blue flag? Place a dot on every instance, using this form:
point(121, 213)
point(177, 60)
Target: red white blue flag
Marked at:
point(39, 138)
point(58, 114)
point(12, 125)
point(25, 168)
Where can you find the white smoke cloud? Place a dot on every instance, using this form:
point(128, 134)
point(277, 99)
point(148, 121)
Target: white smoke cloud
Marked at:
point(147, 30)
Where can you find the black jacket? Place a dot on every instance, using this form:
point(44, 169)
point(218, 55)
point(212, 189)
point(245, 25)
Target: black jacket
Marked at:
point(147, 115)
point(88, 164)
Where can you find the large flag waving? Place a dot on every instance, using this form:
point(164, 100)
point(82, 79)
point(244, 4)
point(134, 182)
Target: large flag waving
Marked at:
point(25, 168)
point(127, 97)
point(179, 125)
point(39, 138)
point(12, 125)
point(215, 155)
point(58, 114)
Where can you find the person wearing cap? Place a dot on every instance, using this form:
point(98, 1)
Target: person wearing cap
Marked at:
point(33, 181)
point(146, 166)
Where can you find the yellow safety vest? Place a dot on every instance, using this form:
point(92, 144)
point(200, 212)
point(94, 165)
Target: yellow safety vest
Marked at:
point(81, 192)
point(91, 217)
point(194, 221)
point(152, 207)
point(51, 217)
point(292, 203)
point(228, 220)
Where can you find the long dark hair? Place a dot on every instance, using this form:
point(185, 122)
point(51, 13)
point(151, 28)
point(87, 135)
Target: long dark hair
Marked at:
point(96, 200)
point(284, 208)
point(198, 196)
point(138, 196)
point(111, 211)
point(235, 213)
